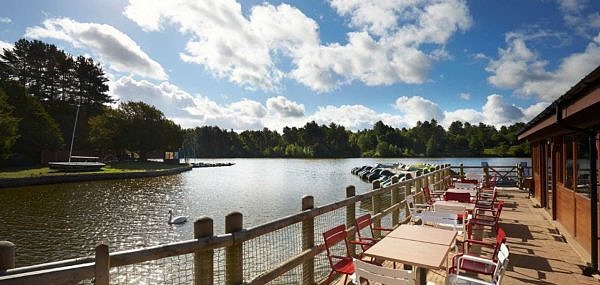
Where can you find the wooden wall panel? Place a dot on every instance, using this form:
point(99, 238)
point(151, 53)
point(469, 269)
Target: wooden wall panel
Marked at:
point(536, 171)
point(582, 220)
point(565, 210)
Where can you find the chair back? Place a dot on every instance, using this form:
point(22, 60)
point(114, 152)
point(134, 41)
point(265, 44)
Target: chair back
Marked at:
point(427, 193)
point(363, 222)
point(502, 264)
point(332, 237)
point(441, 220)
point(460, 197)
point(383, 275)
point(500, 240)
point(499, 210)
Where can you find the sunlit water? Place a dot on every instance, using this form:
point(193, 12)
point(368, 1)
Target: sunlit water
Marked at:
point(54, 222)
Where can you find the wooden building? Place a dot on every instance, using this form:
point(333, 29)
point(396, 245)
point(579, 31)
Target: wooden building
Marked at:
point(563, 138)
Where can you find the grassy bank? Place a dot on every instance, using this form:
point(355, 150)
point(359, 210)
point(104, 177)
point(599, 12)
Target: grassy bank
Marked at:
point(122, 167)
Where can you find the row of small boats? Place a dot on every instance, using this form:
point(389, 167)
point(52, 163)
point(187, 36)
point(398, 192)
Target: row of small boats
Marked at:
point(384, 173)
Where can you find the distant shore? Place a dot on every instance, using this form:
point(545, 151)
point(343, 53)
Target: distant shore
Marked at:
point(127, 170)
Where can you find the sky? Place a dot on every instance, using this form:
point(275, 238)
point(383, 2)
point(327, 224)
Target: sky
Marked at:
point(255, 64)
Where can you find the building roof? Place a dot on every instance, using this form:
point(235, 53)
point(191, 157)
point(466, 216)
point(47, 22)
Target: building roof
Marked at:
point(578, 91)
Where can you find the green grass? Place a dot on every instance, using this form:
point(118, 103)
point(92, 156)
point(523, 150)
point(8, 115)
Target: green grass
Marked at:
point(109, 168)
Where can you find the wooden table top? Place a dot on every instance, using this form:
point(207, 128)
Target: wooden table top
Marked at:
point(472, 192)
point(467, 206)
point(424, 234)
point(417, 253)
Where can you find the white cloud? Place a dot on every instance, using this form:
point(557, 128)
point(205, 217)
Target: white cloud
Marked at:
point(417, 108)
point(464, 115)
point(5, 20)
point(464, 96)
point(497, 112)
point(116, 49)
point(5, 45)
point(575, 16)
point(520, 68)
point(354, 117)
point(246, 50)
point(285, 107)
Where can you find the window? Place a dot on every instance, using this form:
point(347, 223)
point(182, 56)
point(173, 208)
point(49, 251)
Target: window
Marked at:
point(568, 146)
point(582, 169)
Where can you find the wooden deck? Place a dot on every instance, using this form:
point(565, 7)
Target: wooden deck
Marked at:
point(539, 252)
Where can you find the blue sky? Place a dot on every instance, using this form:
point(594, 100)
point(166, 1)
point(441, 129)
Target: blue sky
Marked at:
point(254, 64)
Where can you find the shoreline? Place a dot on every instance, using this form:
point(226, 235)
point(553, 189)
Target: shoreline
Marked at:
point(57, 179)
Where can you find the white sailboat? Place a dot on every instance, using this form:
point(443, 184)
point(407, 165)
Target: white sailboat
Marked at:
point(86, 163)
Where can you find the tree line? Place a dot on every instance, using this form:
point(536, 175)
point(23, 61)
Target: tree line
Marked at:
point(334, 141)
point(42, 87)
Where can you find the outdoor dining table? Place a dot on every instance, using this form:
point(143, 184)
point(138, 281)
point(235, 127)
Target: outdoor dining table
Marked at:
point(420, 246)
point(469, 207)
point(472, 192)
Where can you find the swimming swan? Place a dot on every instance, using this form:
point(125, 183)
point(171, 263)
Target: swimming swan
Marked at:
point(176, 220)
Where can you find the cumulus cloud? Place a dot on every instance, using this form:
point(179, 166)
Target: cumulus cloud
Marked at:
point(520, 68)
point(354, 117)
point(5, 20)
point(496, 111)
point(285, 107)
point(385, 48)
point(417, 108)
point(198, 110)
point(116, 49)
point(5, 45)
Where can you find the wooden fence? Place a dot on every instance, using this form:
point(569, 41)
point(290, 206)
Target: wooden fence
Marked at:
point(224, 259)
point(506, 175)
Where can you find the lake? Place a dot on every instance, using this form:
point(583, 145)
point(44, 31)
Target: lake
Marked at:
point(54, 222)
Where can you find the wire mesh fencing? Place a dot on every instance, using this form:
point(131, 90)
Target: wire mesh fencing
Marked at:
point(177, 269)
point(267, 251)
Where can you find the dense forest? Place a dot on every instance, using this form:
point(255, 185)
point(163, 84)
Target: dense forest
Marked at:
point(313, 140)
point(42, 88)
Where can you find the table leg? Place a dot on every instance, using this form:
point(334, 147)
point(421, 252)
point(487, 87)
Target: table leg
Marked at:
point(421, 276)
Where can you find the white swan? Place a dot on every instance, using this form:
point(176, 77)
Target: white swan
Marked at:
point(176, 220)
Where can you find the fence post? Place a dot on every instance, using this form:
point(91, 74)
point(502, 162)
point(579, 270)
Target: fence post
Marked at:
point(102, 265)
point(308, 241)
point(376, 203)
point(351, 216)
point(395, 200)
point(461, 174)
point(520, 176)
point(203, 259)
point(7, 255)
point(486, 174)
point(418, 186)
point(234, 254)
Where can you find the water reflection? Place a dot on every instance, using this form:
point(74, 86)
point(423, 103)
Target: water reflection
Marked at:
point(53, 222)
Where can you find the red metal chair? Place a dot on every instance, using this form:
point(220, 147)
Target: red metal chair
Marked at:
point(338, 264)
point(485, 201)
point(486, 220)
point(473, 265)
point(429, 199)
point(470, 181)
point(361, 223)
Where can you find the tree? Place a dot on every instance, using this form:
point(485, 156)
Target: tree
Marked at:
point(136, 127)
point(8, 128)
point(37, 129)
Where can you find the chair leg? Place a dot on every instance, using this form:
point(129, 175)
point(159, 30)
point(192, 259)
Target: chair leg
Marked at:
point(345, 279)
point(328, 281)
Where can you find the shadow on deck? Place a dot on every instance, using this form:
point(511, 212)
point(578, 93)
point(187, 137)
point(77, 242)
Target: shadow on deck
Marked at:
point(539, 254)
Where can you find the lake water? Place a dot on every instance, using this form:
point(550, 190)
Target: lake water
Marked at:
point(54, 222)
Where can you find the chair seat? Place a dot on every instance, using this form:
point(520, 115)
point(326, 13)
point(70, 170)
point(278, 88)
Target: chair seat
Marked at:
point(472, 266)
point(344, 266)
point(483, 222)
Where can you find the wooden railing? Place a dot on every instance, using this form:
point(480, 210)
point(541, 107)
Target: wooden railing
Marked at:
point(509, 175)
point(205, 244)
